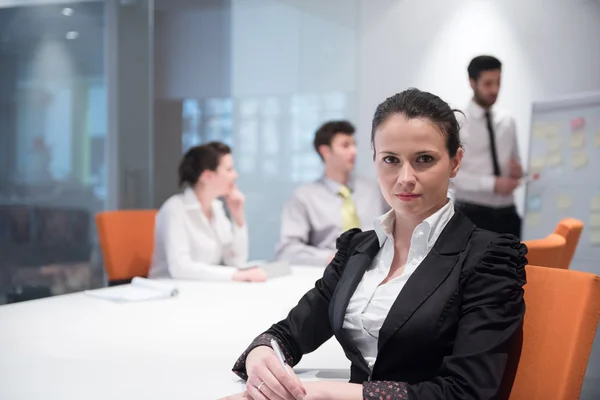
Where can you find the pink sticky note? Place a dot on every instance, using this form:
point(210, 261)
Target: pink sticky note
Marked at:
point(577, 123)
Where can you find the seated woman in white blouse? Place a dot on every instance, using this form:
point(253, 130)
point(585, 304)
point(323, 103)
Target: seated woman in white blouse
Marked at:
point(194, 238)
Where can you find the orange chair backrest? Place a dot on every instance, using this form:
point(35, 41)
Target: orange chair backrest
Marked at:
point(546, 252)
point(562, 311)
point(570, 229)
point(127, 241)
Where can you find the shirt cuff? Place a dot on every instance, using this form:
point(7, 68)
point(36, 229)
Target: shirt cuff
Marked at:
point(375, 390)
point(488, 183)
point(239, 368)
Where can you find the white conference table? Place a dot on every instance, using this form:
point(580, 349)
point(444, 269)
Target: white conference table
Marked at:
point(78, 347)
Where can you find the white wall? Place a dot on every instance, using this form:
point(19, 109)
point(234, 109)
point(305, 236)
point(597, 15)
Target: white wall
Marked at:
point(293, 46)
point(192, 49)
point(548, 48)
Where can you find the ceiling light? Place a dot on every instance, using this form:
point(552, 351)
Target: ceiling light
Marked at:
point(71, 35)
point(67, 12)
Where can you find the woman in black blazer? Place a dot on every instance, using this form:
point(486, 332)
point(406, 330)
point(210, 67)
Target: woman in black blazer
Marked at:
point(427, 306)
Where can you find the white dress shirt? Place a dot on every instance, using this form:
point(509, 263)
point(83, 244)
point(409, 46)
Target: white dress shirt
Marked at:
point(371, 302)
point(189, 246)
point(475, 181)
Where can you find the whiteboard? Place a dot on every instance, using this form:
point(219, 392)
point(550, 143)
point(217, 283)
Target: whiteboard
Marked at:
point(564, 149)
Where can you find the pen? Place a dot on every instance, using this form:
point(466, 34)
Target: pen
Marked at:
point(279, 355)
point(531, 178)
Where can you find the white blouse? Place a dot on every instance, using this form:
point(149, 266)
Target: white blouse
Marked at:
point(371, 302)
point(189, 246)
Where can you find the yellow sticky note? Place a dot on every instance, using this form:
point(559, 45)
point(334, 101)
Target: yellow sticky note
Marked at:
point(578, 140)
point(597, 140)
point(595, 220)
point(553, 145)
point(533, 219)
point(595, 238)
point(538, 132)
point(595, 203)
point(547, 129)
point(563, 202)
point(553, 159)
point(537, 163)
point(579, 159)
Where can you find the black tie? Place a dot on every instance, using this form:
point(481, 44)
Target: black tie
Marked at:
point(488, 117)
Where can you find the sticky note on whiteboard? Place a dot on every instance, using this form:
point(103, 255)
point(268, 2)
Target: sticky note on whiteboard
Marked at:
point(537, 163)
point(595, 203)
point(545, 130)
point(595, 220)
point(563, 202)
point(553, 159)
point(533, 219)
point(553, 144)
point(577, 123)
point(595, 238)
point(578, 140)
point(579, 160)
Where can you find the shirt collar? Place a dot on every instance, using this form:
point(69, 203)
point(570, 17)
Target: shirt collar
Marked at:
point(432, 226)
point(335, 186)
point(476, 110)
point(189, 199)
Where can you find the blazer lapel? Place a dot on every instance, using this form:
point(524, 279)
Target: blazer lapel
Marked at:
point(434, 269)
point(354, 270)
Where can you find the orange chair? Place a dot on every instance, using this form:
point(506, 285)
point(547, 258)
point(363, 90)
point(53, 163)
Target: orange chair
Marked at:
point(570, 229)
point(562, 314)
point(127, 242)
point(546, 252)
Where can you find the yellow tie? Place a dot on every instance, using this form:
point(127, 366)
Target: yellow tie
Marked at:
point(349, 216)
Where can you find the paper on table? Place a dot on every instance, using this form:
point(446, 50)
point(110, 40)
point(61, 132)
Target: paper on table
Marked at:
point(274, 269)
point(305, 375)
point(140, 289)
point(595, 220)
point(579, 159)
point(563, 202)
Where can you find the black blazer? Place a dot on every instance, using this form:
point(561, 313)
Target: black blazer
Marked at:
point(451, 330)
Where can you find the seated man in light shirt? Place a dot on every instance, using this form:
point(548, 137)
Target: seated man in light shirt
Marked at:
point(319, 212)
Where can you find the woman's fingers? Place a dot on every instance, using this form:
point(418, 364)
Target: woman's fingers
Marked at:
point(287, 378)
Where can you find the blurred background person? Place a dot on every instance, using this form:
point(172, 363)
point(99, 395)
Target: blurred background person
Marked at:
point(491, 168)
point(318, 212)
point(194, 238)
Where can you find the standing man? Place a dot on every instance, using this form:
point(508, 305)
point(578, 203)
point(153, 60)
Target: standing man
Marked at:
point(318, 212)
point(491, 168)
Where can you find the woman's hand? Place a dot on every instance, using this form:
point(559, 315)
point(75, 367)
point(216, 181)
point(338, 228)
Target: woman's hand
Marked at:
point(269, 380)
point(250, 275)
point(235, 203)
point(322, 390)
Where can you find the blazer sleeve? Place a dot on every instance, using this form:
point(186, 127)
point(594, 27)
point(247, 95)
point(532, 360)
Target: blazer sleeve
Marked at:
point(492, 312)
point(307, 325)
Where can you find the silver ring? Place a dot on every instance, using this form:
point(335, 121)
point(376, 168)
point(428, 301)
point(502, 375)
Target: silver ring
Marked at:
point(259, 386)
